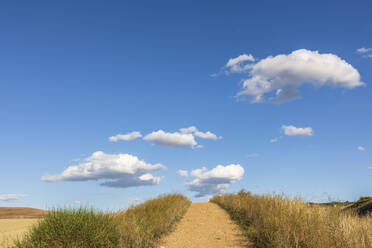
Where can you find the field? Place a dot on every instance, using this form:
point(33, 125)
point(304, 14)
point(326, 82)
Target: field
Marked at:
point(11, 229)
point(14, 222)
point(279, 222)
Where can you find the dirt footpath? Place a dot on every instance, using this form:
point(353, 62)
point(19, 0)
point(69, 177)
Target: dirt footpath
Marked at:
point(205, 225)
point(13, 228)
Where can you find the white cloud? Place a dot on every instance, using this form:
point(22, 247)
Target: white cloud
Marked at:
point(364, 50)
point(277, 79)
point(207, 135)
point(127, 137)
point(370, 168)
point(175, 139)
point(183, 173)
point(184, 138)
point(77, 202)
point(297, 131)
point(214, 181)
point(194, 130)
point(121, 170)
point(237, 64)
point(361, 148)
point(274, 140)
point(12, 197)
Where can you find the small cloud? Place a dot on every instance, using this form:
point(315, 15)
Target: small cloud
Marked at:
point(175, 139)
point(361, 148)
point(274, 140)
point(370, 168)
point(183, 173)
point(364, 50)
point(237, 64)
point(184, 138)
point(297, 131)
point(214, 181)
point(126, 137)
point(12, 197)
point(253, 155)
point(77, 202)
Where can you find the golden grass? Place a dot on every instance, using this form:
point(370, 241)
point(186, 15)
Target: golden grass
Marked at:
point(11, 229)
point(143, 225)
point(279, 222)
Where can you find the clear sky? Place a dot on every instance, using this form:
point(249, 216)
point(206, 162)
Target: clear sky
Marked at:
point(277, 95)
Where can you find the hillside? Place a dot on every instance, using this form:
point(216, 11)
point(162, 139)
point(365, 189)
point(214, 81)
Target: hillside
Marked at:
point(20, 212)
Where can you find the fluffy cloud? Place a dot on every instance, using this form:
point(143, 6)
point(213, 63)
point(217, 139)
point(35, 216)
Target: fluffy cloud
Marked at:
point(127, 137)
point(297, 131)
point(12, 197)
point(121, 170)
point(184, 138)
point(277, 79)
point(370, 168)
point(175, 139)
point(214, 181)
point(364, 50)
point(361, 148)
point(183, 173)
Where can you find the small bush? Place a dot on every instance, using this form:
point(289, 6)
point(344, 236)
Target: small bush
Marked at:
point(73, 228)
point(278, 222)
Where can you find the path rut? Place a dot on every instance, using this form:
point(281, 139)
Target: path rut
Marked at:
point(205, 225)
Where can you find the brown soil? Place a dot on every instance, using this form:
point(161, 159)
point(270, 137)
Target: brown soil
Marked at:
point(17, 212)
point(205, 225)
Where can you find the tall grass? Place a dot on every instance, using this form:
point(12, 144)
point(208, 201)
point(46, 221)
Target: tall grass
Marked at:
point(139, 226)
point(143, 225)
point(278, 222)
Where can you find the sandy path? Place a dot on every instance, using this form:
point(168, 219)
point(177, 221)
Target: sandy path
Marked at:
point(205, 225)
point(13, 228)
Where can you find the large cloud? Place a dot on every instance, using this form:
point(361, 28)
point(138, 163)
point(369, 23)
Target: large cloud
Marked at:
point(126, 137)
point(121, 170)
point(277, 79)
point(297, 131)
point(214, 181)
point(12, 197)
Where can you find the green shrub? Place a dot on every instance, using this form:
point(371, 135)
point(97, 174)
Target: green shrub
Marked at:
point(73, 228)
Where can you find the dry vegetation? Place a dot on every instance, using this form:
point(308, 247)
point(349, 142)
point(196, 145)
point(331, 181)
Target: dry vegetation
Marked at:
point(279, 222)
point(139, 226)
point(17, 212)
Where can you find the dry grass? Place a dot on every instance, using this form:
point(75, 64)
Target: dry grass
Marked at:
point(18, 212)
point(278, 222)
point(139, 226)
point(11, 229)
point(143, 225)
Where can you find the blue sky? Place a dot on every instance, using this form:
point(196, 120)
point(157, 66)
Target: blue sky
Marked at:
point(74, 73)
